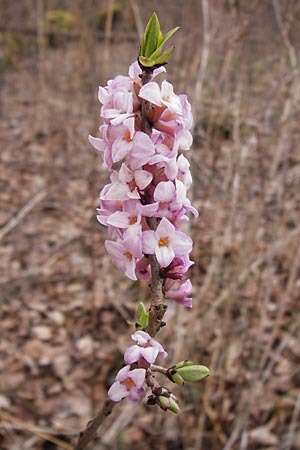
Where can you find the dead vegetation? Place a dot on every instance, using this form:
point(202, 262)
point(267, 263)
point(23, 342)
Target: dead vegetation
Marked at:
point(64, 307)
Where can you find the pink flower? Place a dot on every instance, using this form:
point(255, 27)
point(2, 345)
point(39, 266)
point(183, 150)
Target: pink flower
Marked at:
point(128, 384)
point(135, 70)
point(129, 213)
point(125, 252)
point(166, 243)
point(180, 295)
point(163, 96)
point(145, 351)
point(176, 270)
point(148, 179)
point(126, 184)
point(184, 173)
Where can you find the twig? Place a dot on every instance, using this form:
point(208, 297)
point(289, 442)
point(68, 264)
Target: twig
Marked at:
point(31, 428)
point(137, 18)
point(290, 439)
point(284, 34)
point(14, 221)
point(204, 57)
point(89, 434)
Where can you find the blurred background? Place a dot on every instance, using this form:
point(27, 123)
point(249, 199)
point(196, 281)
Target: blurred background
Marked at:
point(64, 306)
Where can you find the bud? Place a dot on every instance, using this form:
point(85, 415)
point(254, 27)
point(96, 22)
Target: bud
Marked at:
point(168, 403)
point(191, 373)
point(184, 363)
point(151, 54)
point(174, 376)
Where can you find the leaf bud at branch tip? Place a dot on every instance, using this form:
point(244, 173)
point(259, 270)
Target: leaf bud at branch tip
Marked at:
point(151, 53)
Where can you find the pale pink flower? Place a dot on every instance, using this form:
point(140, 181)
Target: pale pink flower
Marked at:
point(145, 351)
point(176, 270)
point(180, 294)
point(125, 252)
point(184, 173)
point(143, 269)
point(126, 184)
point(166, 243)
point(135, 70)
point(161, 96)
point(129, 383)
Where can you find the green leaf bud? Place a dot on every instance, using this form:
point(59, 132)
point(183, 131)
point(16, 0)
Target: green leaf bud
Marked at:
point(151, 50)
point(142, 315)
point(193, 373)
point(184, 363)
point(176, 378)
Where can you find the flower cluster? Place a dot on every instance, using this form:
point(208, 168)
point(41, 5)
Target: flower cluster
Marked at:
point(129, 382)
point(149, 179)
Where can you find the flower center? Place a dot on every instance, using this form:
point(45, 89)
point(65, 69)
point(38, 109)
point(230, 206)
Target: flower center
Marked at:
point(131, 184)
point(128, 255)
point(129, 383)
point(133, 220)
point(163, 242)
point(160, 172)
point(127, 136)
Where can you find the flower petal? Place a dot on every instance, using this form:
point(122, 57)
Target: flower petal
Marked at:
point(117, 391)
point(164, 255)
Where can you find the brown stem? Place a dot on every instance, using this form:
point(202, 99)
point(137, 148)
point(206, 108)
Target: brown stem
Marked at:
point(89, 434)
point(157, 308)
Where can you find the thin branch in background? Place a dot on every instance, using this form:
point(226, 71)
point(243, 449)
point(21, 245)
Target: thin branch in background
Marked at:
point(284, 34)
point(289, 442)
point(137, 17)
point(41, 122)
point(204, 58)
point(107, 36)
point(17, 219)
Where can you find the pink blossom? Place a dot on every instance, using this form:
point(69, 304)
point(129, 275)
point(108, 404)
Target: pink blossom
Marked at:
point(145, 351)
point(126, 184)
point(125, 252)
point(176, 270)
point(163, 96)
point(128, 384)
point(184, 173)
point(143, 269)
point(180, 294)
point(129, 213)
point(135, 70)
point(166, 243)
point(148, 178)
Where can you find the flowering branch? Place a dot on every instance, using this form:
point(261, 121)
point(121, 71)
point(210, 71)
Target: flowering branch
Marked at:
point(145, 127)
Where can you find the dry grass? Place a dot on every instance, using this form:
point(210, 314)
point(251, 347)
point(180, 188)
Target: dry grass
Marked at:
point(64, 306)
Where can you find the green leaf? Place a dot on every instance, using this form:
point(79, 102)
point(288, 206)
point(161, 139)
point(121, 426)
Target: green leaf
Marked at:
point(168, 35)
point(162, 59)
point(193, 373)
point(146, 62)
point(151, 49)
point(151, 36)
point(142, 315)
